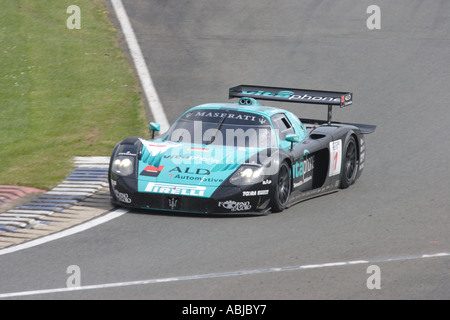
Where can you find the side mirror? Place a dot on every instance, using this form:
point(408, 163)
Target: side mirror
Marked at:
point(153, 126)
point(292, 138)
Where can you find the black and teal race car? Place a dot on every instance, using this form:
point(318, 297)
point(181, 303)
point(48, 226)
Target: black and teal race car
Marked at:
point(240, 157)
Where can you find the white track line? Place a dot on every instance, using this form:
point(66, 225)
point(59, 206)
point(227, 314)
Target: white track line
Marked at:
point(79, 228)
point(221, 275)
point(140, 65)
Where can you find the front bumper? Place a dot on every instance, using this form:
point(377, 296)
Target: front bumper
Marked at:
point(225, 200)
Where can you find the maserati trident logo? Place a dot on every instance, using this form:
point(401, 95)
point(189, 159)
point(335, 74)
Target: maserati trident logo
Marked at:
point(173, 203)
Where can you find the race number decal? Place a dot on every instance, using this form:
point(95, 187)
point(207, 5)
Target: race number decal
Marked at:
point(335, 157)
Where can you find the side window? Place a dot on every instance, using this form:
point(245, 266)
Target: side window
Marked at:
point(282, 125)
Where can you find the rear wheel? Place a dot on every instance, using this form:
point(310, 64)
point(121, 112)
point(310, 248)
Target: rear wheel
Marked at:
point(350, 163)
point(282, 189)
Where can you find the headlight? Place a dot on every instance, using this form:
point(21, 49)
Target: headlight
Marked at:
point(246, 175)
point(123, 166)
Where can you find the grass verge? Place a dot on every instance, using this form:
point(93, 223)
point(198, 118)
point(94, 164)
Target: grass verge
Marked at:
point(63, 92)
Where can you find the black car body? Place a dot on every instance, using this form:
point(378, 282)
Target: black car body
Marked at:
point(240, 157)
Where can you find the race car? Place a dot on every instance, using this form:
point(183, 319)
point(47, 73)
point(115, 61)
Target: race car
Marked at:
point(240, 157)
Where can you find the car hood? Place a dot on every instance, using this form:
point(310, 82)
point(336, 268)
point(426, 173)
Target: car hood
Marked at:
point(200, 169)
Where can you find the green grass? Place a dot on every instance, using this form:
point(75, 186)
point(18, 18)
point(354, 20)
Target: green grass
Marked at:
point(63, 93)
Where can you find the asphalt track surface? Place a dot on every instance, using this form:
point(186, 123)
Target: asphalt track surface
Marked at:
point(395, 216)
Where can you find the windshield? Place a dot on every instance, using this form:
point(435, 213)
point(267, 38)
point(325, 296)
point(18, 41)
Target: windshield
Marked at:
point(219, 127)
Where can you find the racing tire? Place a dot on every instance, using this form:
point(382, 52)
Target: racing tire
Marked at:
point(350, 164)
point(282, 188)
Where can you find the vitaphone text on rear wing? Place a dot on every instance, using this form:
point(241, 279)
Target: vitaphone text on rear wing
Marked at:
point(293, 95)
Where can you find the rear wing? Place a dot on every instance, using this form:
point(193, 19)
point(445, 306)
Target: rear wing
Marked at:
point(341, 99)
point(329, 98)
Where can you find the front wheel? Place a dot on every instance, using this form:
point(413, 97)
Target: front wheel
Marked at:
point(282, 189)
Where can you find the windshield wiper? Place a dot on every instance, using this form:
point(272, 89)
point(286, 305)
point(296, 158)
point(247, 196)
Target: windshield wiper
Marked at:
point(217, 130)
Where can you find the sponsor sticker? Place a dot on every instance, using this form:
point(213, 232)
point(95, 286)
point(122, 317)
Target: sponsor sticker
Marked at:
point(157, 148)
point(255, 193)
point(122, 197)
point(235, 205)
point(335, 157)
point(178, 189)
point(152, 171)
